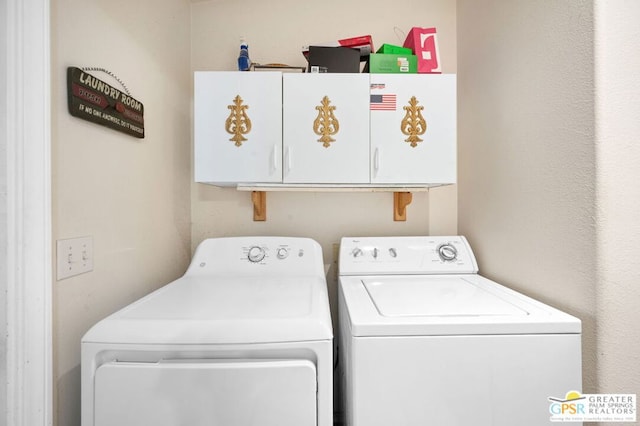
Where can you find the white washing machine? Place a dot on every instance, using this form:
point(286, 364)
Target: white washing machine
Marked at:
point(243, 338)
point(425, 340)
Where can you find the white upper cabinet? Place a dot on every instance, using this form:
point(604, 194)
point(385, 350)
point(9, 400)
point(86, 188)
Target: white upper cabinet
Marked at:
point(413, 128)
point(334, 129)
point(326, 128)
point(237, 127)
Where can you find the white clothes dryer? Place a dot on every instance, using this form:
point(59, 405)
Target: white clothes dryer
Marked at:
point(244, 338)
point(424, 340)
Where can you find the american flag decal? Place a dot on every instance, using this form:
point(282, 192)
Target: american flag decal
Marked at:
point(383, 102)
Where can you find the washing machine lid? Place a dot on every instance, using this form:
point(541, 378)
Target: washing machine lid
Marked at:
point(445, 305)
point(223, 310)
point(442, 296)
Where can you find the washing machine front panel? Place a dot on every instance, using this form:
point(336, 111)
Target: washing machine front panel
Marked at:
point(206, 393)
point(460, 380)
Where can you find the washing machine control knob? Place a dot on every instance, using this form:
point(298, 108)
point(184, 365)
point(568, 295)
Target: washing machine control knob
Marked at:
point(447, 252)
point(357, 252)
point(256, 254)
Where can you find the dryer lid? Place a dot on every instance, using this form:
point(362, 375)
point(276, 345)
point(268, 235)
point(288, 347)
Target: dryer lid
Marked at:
point(223, 310)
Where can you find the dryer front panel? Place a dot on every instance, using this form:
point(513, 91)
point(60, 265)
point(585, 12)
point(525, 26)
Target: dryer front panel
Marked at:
point(206, 392)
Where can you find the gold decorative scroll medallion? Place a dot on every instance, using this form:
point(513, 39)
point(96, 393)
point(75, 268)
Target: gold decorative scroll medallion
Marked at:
point(413, 123)
point(326, 124)
point(238, 123)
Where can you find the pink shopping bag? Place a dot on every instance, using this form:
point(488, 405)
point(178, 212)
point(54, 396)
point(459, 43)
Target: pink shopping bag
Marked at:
point(424, 44)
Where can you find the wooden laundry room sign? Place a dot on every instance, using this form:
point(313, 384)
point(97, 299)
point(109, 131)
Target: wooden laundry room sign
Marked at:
point(94, 100)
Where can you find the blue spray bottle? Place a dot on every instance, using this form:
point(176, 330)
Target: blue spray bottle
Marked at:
point(244, 63)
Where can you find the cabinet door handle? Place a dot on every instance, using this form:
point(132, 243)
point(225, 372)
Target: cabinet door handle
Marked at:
point(376, 160)
point(287, 159)
point(274, 157)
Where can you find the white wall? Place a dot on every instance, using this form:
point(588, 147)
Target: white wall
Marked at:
point(527, 154)
point(276, 31)
point(618, 194)
point(26, 213)
point(130, 195)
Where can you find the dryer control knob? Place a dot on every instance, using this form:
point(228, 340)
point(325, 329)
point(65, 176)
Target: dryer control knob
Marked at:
point(256, 254)
point(357, 252)
point(282, 253)
point(447, 252)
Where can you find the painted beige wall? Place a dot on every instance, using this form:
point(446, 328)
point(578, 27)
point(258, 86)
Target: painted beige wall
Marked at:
point(618, 194)
point(535, 197)
point(526, 148)
point(548, 184)
point(527, 158)
point(276, 31)
point(131, 195)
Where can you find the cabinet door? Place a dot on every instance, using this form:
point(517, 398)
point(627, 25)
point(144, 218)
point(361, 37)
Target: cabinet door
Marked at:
point(413, 128)
point(326, 128)
point(237, 127)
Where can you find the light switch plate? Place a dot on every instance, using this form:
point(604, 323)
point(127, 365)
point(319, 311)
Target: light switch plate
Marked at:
point(74, 257)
